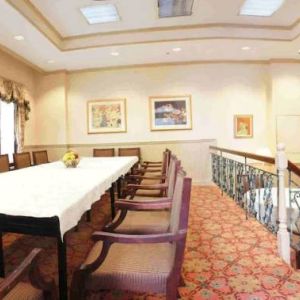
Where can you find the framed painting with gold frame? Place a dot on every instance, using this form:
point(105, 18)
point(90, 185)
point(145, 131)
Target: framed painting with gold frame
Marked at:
point(243, 126)
point(170, 113)
point(106, 116)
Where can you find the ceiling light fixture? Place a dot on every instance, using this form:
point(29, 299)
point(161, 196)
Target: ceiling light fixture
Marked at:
point(177, 49)
point(260, 8)
point(19, 38)
point(103, 13)
point(115, 53)
point(246, 48)
point(175, 8)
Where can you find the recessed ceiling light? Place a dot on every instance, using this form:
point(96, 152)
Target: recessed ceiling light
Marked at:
point(100, 13)
point(114, 53)
point(19, 37)
point(50, 61)
point(177, 49)
point(246, 48)
point(260, 8)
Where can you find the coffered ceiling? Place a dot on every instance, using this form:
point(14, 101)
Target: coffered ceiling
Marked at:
point(57, 37)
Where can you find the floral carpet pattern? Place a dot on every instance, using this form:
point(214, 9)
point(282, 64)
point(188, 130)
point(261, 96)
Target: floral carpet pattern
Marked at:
point(227, 257)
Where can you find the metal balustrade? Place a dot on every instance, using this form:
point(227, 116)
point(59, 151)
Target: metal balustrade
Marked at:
point(261, 191)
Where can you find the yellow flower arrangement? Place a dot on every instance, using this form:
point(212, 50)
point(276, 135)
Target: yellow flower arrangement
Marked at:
point(71, 159)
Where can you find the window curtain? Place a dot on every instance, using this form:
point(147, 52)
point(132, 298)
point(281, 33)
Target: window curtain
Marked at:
point(11, 91)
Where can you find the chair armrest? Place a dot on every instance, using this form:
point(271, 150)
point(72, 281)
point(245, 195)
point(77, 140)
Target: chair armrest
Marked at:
point(143, 200)
point(28, 266)
point(162, 186)
point(152, 162)
point(142, 171)
point(137, 239)
point(147, 177)
point(159, 205)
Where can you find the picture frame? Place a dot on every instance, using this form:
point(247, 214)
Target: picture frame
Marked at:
point(106, 116)
point(170, 112)
point(243, 126)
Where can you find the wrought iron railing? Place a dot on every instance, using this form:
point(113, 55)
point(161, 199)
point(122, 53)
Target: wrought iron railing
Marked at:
point(256, 188)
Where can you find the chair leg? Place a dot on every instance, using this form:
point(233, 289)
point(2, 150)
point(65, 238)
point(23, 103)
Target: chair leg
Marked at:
point(172, 293)
point(181, 281)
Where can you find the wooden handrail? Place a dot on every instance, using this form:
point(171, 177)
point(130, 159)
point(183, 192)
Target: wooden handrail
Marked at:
point(266, 159)
point(291, 166)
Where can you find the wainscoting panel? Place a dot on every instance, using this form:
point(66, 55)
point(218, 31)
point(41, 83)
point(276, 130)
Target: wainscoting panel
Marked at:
point(194, 154)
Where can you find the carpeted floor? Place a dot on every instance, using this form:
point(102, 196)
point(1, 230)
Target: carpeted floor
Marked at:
point(227, 257)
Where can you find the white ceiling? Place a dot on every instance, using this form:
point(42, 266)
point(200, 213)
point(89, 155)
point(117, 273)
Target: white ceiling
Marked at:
point(56, 30)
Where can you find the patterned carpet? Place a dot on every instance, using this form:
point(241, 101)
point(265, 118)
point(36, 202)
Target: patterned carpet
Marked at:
point(226, 257)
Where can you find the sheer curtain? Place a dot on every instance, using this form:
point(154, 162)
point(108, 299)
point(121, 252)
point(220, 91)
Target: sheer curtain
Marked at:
point(14, 93)
point(7, 128)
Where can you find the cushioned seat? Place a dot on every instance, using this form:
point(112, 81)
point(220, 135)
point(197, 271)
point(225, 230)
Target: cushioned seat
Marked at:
point(148, 193)
point(128, 265)
point(13, 287)
point(143, 222)
point(24, 291)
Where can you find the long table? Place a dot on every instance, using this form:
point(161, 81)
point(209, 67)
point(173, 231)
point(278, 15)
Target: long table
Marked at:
point(49, 200)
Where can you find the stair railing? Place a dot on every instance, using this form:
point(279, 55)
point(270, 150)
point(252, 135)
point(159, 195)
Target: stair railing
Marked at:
point(262, 190)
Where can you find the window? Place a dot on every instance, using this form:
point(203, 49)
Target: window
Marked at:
point(7, 129)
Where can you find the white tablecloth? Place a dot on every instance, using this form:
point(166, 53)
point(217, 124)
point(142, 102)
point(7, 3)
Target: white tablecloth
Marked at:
point(53, 190)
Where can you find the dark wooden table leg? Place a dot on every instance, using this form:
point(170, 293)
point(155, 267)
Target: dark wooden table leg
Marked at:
point(2, 271)
point(119, 185)
point(112, 200)
point(62, 268)
point(88, 216)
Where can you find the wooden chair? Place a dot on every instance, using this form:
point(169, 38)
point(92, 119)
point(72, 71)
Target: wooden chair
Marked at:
point(22, 160)
point(12, 288)
point(131, 152)
point(140, 263)
point(149, 189)
point(110, 152)
point(40, 157)
point(144, 215)
point(4, 163)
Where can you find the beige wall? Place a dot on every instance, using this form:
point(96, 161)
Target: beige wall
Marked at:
point(285, 102)
point(219, 91)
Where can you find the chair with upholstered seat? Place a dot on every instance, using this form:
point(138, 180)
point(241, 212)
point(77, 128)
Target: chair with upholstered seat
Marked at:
point(22, 160)
point(110, 152)
point(152, 190)
point(144, 215)
point(4, 163)
point(12, 287)
point(140, 263)
point(40, 157)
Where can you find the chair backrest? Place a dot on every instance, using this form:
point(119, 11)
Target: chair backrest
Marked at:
point(180, 203)
point(4, 163)
point(166, 161)
point(130, 152)
point(40, 157)
point(104, 152)
point(22, 160)
point(172, 174)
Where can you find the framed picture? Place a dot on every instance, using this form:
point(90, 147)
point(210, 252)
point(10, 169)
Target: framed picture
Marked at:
point(170, 112)
point(106, 116)
point(243, 126)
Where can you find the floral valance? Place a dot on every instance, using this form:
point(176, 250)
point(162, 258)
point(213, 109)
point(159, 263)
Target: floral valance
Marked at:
point(11, 91)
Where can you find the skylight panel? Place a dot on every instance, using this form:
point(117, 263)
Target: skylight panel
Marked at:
point(261, 8)
point(103, 13)
point(175, 8)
